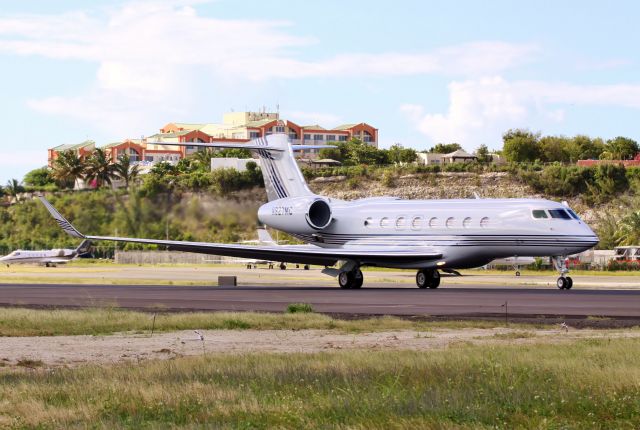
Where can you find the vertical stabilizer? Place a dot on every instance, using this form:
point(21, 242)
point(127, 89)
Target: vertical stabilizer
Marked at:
point(282, 176)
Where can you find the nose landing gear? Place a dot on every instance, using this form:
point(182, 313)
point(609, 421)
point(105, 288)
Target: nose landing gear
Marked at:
point(428, 278)
point(564, 282)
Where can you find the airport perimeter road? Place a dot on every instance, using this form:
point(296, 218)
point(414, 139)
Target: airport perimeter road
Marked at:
point(472, 301)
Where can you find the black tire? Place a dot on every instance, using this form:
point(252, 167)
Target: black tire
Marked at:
point(562, 283)
point(344, 280)
point(421, 279)
point(306, 267)
point(517, 273)
point(434, 280)
point(569, 283)
point(283, 266)
point(357, 279)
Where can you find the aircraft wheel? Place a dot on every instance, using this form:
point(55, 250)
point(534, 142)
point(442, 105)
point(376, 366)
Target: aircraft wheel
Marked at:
point(344, 280)
point(434, 280)
point(357, 278)
point(569, 283)
point(517, 273)
point(283, 266)
point(421, 279)
point(562, 283)
point(306, 267)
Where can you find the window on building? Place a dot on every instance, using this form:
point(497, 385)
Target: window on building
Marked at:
point(450, 221)
point(484, 222)
point(539, 213)
point(342, 138)
point(331, 138)
point(307, 137)
point(466, 223)
point(278, 129)
point(400, 222)
point(318, 137)
point(384, 222)
point(416, 223)
point(254, 134)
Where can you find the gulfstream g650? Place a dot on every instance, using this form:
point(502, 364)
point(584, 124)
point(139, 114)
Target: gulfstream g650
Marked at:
point(427, 235)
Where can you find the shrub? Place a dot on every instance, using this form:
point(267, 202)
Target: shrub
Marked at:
point(299, 308)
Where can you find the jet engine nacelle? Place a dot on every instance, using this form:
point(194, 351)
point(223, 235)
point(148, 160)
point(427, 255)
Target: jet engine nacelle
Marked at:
point(296, 214)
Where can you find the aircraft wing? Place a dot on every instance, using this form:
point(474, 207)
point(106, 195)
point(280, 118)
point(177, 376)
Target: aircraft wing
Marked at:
point(304, 254)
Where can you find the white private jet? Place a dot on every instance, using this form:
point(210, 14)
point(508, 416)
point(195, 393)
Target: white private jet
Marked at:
point(427, 235)
point(49, 258)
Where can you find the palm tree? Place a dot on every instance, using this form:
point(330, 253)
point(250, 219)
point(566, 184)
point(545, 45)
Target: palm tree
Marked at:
point(204, 157)
point(14, 188)
point(629, 233)
point(68, 168)
point(125, 170)
point(99, 169)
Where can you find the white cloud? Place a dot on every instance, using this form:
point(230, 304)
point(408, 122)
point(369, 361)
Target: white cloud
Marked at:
point(480, 110)
point(152, 56)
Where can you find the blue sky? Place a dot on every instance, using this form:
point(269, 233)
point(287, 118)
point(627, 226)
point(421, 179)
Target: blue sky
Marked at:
point(421, 71)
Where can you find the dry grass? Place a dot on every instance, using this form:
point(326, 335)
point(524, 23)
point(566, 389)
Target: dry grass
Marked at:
point(586, 384)
point(106, 320)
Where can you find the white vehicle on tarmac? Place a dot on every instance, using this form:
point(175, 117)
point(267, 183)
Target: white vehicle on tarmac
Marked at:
point(426, 235)
point(48, 258)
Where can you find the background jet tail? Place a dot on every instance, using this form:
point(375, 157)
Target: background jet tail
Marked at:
point(84, 247)
point(264, 237)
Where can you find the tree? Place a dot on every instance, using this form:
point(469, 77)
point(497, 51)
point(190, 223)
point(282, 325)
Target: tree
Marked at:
point(126, 170)
point(399, 154)
point(99, 169)
point(554, 148)
point(520, 145)
point(584, 148)
point(331, 153)
point(67, 169)
point(622, 148)
point(232, 153)
point(13, 188)
point(483, 154)
point(629, 232)
point(163, 168)
point(203, 158)
point(445, 148)
point(39, 177)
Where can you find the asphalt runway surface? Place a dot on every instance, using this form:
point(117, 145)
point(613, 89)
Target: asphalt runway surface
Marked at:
point(470, 301)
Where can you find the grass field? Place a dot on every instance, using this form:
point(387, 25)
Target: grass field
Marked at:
point(585, 384)
point(101, 321)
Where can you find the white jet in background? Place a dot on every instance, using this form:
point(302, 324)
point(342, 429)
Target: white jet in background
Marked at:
point(48, 258)
point(427, 235)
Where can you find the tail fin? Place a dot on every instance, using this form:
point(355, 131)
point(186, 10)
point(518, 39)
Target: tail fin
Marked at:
point(84, 247)
point(282, 176)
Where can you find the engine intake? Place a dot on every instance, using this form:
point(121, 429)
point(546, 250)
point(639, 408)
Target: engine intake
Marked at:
point(319, 214)
point(303, 215)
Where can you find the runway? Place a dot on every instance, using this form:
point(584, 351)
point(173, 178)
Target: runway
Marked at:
point(472, 300)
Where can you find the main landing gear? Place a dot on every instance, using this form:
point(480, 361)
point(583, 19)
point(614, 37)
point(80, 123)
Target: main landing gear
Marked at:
point(351, 279)
point(564, 282)
point(428, 278)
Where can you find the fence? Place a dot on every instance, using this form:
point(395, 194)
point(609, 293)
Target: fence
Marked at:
point(168, 257)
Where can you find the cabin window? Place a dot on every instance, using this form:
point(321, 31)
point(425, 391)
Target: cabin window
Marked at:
point(416, 223)
point(400, 222)
point(539, 213)
point(467, 222)
point(484, 222)
point(368, 222)
point(384, 222)
point(433, 222)
point(450, 222)
point(559, 214)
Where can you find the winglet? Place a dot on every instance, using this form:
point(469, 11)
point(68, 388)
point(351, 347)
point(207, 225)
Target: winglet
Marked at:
point(62, 222)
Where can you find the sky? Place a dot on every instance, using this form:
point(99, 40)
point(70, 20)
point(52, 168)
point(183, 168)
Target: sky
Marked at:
point(422, 72)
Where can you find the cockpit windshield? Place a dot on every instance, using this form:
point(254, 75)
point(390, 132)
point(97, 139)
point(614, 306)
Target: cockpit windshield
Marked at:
point(559, 213)
point(573, 214)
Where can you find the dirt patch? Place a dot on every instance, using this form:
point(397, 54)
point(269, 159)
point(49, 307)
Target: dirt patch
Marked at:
point(68, 351)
